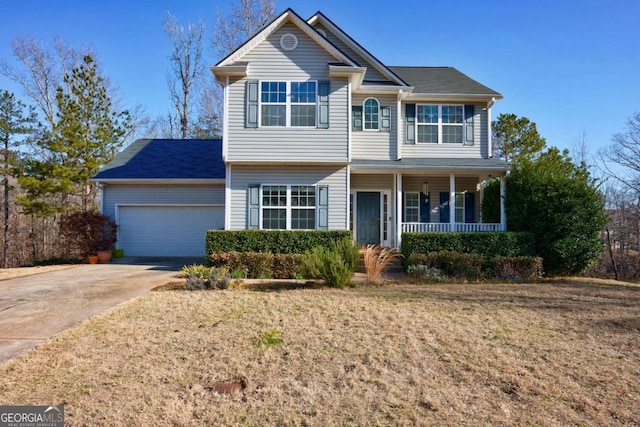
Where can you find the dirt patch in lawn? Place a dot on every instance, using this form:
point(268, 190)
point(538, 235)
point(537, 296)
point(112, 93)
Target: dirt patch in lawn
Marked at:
point(14, 273)
point(526, 354)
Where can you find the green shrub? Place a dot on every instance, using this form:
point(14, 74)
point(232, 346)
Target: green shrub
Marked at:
point(272, 241)
point(454, 264)
point(425, 272)
point(488, 244)
point(203, 277)
point(520, 268)
point(334, 264)
point(254, 265)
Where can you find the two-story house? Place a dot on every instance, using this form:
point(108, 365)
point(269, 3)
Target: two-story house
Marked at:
point(318, 134)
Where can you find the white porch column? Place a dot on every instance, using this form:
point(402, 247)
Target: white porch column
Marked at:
point(452, 202)
point(503, 196)
point(398, 210)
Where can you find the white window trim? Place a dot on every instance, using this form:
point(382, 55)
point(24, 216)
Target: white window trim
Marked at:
point(404, 205)
point(364, 115)
point(288, 206)
point(288, 103)
point(440, 124)
point(457, 208)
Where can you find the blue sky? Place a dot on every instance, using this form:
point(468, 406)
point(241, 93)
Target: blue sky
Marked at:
point(571, 66)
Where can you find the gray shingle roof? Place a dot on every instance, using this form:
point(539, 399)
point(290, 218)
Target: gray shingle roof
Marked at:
point(441, 81)
point(435, 164)
point(167, 159)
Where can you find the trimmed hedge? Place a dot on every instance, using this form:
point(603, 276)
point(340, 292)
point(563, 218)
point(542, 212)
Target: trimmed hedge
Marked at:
point(477, 267)
point(258, 265)
point(487, 244)
point(272, 241)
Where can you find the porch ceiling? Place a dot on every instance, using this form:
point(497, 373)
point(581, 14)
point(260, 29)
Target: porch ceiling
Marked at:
point(457, 165)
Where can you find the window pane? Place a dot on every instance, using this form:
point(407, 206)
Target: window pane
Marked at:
point(274, 219)
point(303, 115)
point(274, 195)
point(371, 112)
point(459, 215)
point(428, 133)
point(459, 200)
point(273, 92)
point(303, 219)
point(303, 92)
point(411, 207)
point(274, 115)
point(427, 114)
point(452, 114)
point(452, 134)
point(303, 195)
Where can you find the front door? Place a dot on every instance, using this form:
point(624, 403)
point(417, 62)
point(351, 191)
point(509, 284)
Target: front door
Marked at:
point(368, 217)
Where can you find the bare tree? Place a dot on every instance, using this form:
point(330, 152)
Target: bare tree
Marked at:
point(246, 18)
point(186, 66)
point(625, 153)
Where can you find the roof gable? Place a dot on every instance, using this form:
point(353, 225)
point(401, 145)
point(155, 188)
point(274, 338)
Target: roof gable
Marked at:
point(166, 159)
point(287, 16)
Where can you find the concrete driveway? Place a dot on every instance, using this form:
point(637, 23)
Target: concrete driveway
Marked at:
point(34, 308)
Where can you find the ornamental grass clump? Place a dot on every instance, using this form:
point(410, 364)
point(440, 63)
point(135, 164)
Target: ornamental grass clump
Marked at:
point(376, 259)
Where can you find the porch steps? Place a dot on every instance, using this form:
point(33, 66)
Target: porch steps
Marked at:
point(394, 267)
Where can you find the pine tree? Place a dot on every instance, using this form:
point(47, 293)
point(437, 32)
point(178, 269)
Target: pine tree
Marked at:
point(87, 135)
point(15, 119)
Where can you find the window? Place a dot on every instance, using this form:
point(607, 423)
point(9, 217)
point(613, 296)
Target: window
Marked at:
point(411, 207)
point(288, 103)
point(303, 207)
point(288, 207)
point(371, 114)
point(274, 207)
point(459, 207)
point(440, 124)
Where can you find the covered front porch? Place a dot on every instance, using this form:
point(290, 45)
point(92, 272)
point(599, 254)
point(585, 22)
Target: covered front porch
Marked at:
point(385, 204)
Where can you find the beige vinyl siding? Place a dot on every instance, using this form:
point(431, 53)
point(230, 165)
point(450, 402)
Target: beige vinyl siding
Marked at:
point(243, 176)
point(478, 150)
point(440, 184)
point(160, 195)
point(372, 73)
point(375, 145)
point(268, 61)
point(362, 182)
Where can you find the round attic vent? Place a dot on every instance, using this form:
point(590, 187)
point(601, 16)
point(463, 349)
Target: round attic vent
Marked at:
point(288, 42)
point(322, 32)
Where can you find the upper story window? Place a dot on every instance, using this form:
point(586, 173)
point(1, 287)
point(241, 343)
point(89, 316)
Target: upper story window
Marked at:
point(440, 124)
point(371, 114)
point(288, 103)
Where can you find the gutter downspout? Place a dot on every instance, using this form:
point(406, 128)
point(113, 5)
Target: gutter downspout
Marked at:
point(489, 132)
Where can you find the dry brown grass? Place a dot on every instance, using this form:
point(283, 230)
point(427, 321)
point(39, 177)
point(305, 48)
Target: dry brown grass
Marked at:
point(376, 259)
point(13, 273)
point(557, 353)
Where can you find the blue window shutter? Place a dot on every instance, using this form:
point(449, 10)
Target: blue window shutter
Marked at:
point(253, 207)
point(444, 207)
point(410, 115)
point(425, 208)
point(356, 117)
point(385, 121)
point(323, 104)
point(468, 124)
point(322, 207)
point(469, 207)
point(251, 96)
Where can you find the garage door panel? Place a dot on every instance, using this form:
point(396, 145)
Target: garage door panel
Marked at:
point(166, 230)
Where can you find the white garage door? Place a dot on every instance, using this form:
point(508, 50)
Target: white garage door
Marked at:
point(166, 230)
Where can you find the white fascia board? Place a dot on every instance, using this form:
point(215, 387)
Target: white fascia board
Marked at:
point(354, 74)
point(287, 163)
point(382, 89)
point(221, 72)
point(287, 16)
point(158, 181)
point(455, 97)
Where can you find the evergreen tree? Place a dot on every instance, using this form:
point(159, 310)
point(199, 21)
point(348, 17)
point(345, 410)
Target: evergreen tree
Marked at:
point(516, 138)
point(87, 135)
point(15, 119)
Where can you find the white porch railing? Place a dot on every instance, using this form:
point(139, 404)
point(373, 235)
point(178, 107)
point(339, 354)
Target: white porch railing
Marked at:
point(439, 227)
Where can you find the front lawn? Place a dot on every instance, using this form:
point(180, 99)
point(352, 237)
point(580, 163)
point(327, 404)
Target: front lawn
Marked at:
point(558, 353)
